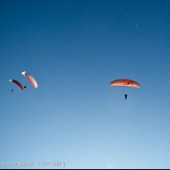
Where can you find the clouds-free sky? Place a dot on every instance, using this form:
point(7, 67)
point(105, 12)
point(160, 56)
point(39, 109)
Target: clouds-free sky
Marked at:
point(75, 49)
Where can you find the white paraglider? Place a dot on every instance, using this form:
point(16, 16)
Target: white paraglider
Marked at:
point(30, 78)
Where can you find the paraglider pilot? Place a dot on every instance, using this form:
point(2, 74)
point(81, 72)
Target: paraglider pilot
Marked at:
point(126, 96)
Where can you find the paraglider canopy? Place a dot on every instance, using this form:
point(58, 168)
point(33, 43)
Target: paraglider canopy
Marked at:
point(125, 82)
point(30, 78)
point(17, 83)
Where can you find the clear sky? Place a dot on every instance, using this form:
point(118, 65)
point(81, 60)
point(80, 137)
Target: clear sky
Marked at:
point(74, 49)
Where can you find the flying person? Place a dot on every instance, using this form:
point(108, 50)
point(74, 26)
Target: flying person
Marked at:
point(25, 87)
point(126, 83)
point(12, 90)
point(125, 96)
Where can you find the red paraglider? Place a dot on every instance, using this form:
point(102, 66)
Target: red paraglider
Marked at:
point(17, 83)
point(125, 82)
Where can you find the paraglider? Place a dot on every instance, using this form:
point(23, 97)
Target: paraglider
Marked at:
point(125, 82)
point(17, 83)
point(30, 78)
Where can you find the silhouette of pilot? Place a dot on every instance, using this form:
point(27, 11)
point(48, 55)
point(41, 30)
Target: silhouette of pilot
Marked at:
point(126, 96)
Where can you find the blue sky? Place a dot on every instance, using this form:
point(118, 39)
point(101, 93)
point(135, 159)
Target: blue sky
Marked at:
point(75, 49)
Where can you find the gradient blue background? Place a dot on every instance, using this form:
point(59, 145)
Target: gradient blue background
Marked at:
point(74, 48)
